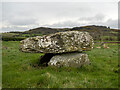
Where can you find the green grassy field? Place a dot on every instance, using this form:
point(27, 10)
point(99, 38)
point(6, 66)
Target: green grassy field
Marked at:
point(18, 70)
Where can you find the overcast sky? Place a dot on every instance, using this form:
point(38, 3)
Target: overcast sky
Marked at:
point(21, 16)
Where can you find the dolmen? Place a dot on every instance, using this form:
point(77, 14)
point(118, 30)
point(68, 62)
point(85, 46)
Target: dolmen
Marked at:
point(64, 49)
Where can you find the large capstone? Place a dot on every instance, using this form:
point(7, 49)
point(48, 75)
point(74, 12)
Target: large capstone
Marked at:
point(60, 42)
point(69, 60)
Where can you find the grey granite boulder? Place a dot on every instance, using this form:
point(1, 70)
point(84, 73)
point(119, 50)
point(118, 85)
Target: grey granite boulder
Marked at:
point(69, 60)
point(60, 42)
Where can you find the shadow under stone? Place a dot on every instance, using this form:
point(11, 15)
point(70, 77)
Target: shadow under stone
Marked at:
point(43, 60)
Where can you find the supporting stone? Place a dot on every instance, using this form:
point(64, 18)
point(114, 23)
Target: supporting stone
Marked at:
point(69, 60)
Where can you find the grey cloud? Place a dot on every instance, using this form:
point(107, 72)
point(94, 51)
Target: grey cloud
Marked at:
point(21, 21)
point(96, 20)
point(112, 23)
point(45, 13)
point(97, 17)
point(64, 24)
point(0, 12)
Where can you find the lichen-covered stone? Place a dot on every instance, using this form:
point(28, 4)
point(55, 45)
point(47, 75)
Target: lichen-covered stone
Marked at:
point(69, 60)
point(68, 41)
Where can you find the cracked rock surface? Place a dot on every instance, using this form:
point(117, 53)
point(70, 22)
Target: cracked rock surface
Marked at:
point(60, 42)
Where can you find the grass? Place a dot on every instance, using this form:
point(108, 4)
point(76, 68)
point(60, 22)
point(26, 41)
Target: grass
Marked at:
point(18, 70)
point(108, 38)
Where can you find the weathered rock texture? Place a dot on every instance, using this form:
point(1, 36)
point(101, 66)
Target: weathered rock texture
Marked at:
point(69, 60)
point(58, 43)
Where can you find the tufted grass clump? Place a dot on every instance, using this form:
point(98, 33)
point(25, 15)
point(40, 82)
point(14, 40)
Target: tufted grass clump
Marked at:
point(21, 70)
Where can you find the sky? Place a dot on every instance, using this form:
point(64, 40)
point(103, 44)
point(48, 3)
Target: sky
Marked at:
point(22, 16)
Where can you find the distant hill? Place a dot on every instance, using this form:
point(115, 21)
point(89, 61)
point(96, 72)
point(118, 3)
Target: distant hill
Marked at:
point(45, 30)
point(93, 28)
point(98, 32)
point(95, 31)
